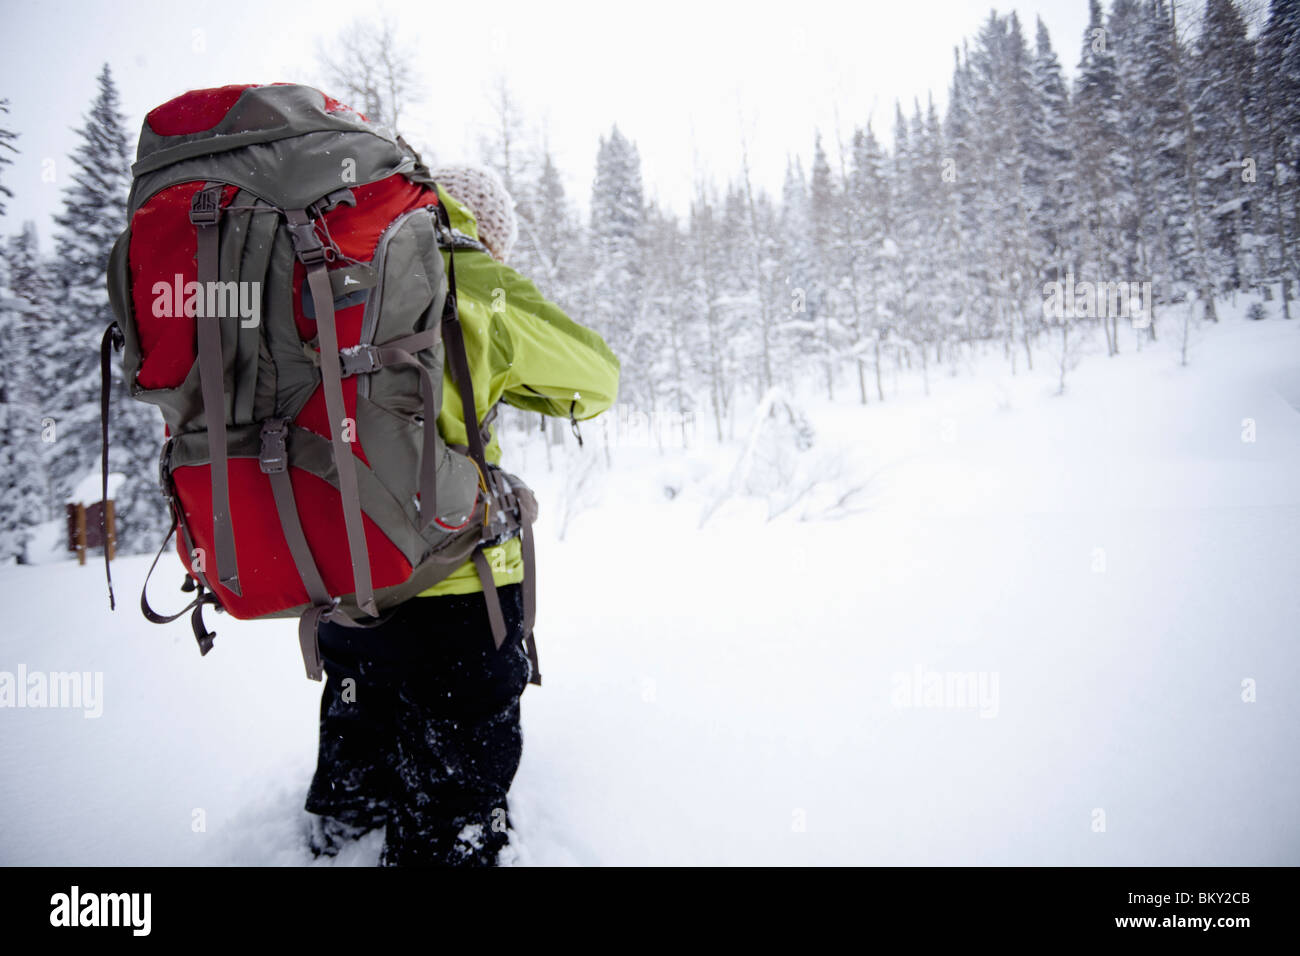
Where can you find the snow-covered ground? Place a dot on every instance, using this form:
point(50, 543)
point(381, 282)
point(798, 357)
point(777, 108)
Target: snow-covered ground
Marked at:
point(1111, 574)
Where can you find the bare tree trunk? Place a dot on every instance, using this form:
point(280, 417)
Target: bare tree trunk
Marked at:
point(759, 278)
point(1065, 355)
point(830, 357)
point(880, 386)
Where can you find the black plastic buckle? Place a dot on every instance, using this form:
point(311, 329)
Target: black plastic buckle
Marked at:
point(165, 468)
point(339, 197)
point(306, 244)
point(205, 207)
point(274, 456)
point(360, 360)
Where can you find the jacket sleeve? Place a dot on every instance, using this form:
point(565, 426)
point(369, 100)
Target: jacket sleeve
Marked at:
point(552, 364)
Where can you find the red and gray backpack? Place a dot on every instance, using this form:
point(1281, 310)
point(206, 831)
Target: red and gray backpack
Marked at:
point(280, 295)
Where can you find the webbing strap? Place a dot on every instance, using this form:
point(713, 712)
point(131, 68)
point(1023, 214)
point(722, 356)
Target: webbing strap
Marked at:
point(308, 625)
point(145, 608)
point(202, 635)
point(311, 253)
point(530, 595)
point(286, 509)
point(205, 214)
point(113, 339)
point(273, 461)
point(492, 599)
point(453, 336)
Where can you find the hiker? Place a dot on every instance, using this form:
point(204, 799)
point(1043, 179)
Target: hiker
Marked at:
point(419, 721)
point(316, 462)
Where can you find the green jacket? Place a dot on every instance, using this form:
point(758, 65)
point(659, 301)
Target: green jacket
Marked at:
point(525, 351)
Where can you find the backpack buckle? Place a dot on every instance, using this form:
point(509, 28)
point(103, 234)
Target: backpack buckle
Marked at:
point(306, 244)
point(339, 197)
point(205, 207)
point(360, 360)
point(274, 455)
point(165, 465)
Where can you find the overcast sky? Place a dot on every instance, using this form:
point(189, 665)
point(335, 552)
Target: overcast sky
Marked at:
point(681, 79)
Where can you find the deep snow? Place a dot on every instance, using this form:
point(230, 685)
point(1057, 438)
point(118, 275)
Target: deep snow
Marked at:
point(1112, 564)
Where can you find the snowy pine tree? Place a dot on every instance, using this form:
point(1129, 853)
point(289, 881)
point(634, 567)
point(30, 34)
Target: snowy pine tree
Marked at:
point(94, 213)
point(617, 234)
point(1224, 69)
point(803, 291)
point(1099, 163)
point(25, 493)
point(866, 229)
point(1277, 117)
point(828, 244)
point(7, 146)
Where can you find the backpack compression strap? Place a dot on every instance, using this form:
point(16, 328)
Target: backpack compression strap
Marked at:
point(205, 214)
point(311, 253)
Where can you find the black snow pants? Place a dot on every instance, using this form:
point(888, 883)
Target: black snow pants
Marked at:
point(419, 729)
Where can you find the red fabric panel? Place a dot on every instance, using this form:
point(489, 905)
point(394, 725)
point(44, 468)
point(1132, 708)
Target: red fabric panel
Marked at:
point(195, 111)
point(334, 106)
point(314, 417)
point(164, 245)
point(357, 229)
point(267, 574)
point(200, 110)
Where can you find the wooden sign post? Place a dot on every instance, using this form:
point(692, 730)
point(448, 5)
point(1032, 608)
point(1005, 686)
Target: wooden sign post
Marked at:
point(92, 526)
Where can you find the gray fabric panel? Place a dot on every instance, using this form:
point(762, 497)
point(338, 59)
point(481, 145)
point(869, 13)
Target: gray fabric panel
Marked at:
point(457, 490)
point(393, 444)
point(191, 448)
point(412, 271)
point(406, 307)
point(317, 161)
point(296, 375)
point(260, 113)
point(181, 407)
point(406, 245)
point(252, 254)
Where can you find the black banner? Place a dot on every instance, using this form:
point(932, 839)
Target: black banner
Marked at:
point(1168, 907)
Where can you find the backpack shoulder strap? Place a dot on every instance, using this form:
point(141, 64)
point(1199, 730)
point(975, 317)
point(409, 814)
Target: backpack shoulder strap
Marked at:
point(453, 337)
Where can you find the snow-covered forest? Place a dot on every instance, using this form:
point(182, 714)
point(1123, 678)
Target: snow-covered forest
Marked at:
point(1158, 182)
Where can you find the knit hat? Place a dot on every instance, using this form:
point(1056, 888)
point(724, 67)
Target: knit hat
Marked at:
point(483, 192)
